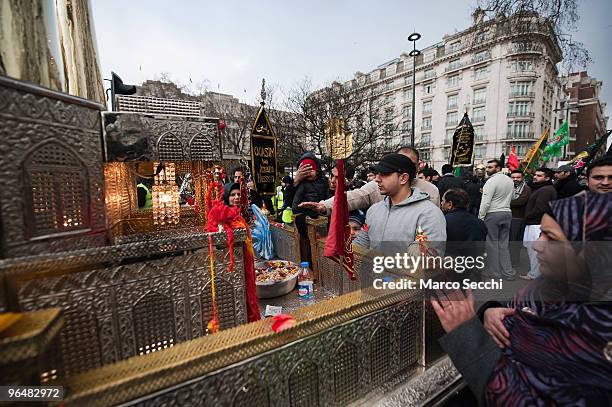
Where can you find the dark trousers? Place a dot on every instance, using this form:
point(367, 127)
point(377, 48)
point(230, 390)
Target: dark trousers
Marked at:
point(517, 229)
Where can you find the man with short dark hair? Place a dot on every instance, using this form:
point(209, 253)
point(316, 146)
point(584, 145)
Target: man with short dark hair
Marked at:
point(542, 193)
point(520, 196)
point(369, 194)
point(426, 174)
point(599, 175)
point(496, 213)
point(566, 182)
point(448, 180)
point(393, 222)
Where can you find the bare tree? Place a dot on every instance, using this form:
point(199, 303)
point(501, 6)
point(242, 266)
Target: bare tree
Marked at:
point(369, 116)
point(238, 118)
point(560, 16)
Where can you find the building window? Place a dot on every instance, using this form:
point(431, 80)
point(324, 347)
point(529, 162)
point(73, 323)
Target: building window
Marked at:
point(428, 89)
point(430, 73)
point(391, 69)
point(453, 80)
point(481, 56)
point(520, 88)
point(426, 123)
point(479, 133)
point(429, 56)
point(425, 140)
point(519, 130)
point(518, 109)
point(480, 95)
point(449, 136)
point(425, 154)
point(522, 65)
point(478, 114)
point(407, 80)
point(452, 101)
point(479, 151)
point(407, 112)
point(455, 46)
point(427, 107)
point(407, 126)
point(408, 64)
point(447, 153)
point(374, 76)
point(451, 119)
point(481, 73)
point(454, 64)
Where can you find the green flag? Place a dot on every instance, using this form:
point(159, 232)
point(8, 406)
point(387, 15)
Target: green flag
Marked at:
point(555, 145)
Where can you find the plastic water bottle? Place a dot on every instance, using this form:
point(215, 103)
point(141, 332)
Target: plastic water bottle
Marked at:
point(305, 283)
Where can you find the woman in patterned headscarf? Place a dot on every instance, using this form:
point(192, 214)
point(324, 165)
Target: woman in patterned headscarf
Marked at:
point(553, 344)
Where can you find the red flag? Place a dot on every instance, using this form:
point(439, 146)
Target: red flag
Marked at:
point(513, 161)
point(338, 245)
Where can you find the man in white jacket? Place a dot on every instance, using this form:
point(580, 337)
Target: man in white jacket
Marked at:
point(495, 211)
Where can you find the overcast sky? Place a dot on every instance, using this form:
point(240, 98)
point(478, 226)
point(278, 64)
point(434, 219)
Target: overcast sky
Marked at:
point(232, 44)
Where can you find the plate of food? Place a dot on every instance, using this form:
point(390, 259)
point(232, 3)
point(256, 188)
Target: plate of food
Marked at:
point(274, 278)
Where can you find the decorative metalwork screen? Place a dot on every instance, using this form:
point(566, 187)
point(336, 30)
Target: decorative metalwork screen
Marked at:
point(201, 148)
point(56, 183)
point(124, 310)
point(52, 195)
point(170, 148)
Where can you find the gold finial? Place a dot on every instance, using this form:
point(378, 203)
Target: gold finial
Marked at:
point(339, 142)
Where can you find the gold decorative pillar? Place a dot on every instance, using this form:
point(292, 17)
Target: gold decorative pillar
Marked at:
point(51, 43)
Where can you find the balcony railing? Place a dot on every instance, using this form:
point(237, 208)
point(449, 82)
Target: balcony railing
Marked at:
point(480, 138)
point(526, 48)
point(481, 58)
point(520, 135)
point(452, 106)
point(478, 119)
point(452, 123)
point(521, 114)
point(423, 144)
point(522, 94)
point(426, 126)
point(454, 67)
point(480, 101)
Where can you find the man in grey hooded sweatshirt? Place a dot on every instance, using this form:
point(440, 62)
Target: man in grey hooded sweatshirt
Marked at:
point(393, 222)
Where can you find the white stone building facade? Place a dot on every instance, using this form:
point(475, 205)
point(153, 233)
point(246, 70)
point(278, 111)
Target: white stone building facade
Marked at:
point(506, 79)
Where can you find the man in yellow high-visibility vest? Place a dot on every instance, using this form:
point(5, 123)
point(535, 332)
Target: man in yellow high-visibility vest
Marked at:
point(145, 199)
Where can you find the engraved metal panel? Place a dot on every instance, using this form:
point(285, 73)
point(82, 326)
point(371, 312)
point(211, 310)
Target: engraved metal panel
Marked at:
point(169, 148)
point(136, 136)
point(226, 307)
point(115, 312)
point(153, 323)
point(286, 242)
point(304, 385)
point(380, 355)
point(249, 396)
point(338, 356)
point(201, 149)
point(56, 185)
point(346, 374)
point(80, 342)
point(410, 340)
point(48, 187)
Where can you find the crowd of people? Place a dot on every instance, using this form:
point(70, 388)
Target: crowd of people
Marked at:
point(551, 344)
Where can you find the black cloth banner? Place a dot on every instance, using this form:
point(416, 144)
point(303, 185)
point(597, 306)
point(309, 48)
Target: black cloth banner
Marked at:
point(463, 143)
point(263, 154)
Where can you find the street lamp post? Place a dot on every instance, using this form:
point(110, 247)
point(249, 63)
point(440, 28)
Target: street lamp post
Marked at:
point(414, 37)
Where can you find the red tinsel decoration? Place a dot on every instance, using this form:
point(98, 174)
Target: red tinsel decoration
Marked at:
point(229, 219)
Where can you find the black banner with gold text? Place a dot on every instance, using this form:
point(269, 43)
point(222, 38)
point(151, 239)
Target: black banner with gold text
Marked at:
point(463, 143)
point(263, 154)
